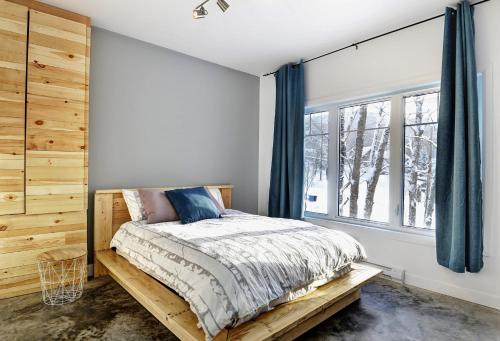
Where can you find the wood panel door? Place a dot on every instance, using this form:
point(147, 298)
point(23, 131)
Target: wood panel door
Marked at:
point(56, 122)
point(13, 36)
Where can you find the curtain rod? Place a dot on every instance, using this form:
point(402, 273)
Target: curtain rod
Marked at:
point(356, 45)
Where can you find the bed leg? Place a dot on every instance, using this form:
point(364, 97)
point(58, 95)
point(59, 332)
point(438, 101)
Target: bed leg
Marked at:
point(99, 269)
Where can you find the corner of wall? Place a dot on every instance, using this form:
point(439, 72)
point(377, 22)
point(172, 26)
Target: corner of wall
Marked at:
point(266, 130)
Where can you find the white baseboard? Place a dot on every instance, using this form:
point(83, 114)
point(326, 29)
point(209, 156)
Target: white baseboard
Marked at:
point(474, 296)
point(465, 294)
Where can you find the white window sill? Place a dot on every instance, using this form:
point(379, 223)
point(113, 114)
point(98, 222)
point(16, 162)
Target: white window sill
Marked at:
point(425, 238)
point(357, 230)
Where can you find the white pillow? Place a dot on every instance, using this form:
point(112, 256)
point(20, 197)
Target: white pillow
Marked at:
point(134, 204)
point(217, 196)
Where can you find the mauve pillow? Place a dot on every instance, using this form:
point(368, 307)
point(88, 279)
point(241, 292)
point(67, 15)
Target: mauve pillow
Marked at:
point(157, 206)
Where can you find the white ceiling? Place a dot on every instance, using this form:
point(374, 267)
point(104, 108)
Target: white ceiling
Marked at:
point(254, 36)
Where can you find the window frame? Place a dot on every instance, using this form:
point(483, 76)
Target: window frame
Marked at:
point(410, 94)
point(396, 150)
point(327, 134)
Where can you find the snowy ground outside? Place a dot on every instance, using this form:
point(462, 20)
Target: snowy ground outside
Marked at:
point(320, 190)
point(380, 212)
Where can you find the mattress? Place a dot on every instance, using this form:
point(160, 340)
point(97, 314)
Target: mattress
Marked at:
point(232, 269)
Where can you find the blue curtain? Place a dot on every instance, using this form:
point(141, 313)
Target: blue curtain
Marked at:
point(286, 190)
point(459, 225)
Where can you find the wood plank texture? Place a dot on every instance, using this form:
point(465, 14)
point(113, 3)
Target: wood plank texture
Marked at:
point(56, 128)
point(103, 220)
point(19, 285)
point(285, 322)
point(67, 254)
point(226, 192)
point(49, 9)
point(44, 66)
point(24, 237)
point(320, 316)
point(13, 38)
point(86, 122)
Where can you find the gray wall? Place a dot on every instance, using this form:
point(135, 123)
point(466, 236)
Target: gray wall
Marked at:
point(161, 118)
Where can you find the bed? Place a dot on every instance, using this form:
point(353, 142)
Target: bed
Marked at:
point(186, 275)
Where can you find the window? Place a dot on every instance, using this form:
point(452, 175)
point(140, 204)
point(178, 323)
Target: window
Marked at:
point(380, 158)
point(420, 141)
point(316, 162)
point(363, 181)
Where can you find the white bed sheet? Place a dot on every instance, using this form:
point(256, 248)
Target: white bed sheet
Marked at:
point(232, 269)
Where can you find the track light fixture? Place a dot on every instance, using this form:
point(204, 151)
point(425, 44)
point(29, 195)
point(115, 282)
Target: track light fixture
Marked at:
point(223, 5)
point(200, 12)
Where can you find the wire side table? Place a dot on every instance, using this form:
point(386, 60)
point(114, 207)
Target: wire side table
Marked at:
point(62, 275)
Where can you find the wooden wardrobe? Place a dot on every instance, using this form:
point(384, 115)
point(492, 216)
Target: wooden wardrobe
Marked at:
point(44, 77)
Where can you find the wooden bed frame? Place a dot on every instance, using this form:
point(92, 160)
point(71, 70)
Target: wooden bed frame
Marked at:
point(285, 322)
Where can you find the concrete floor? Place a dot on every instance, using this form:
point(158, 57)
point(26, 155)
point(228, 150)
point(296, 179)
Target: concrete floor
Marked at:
point(387, 311)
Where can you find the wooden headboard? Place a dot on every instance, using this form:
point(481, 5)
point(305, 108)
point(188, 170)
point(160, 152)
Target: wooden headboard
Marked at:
point(110, 212)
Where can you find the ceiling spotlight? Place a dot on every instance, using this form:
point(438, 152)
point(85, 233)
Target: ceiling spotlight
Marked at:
point(223, 5)
point(200, 11)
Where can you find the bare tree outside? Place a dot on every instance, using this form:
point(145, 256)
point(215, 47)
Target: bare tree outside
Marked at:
point(316, 162)
point(364, 159)
point(430, 193)
point(420, 159)
point(378, 168)
point(414, 147)
point(356, 167)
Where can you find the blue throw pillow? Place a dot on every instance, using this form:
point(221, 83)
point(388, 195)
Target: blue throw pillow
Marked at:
point(193, 204)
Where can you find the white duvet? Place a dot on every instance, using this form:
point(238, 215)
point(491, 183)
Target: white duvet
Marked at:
point(232, 269)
